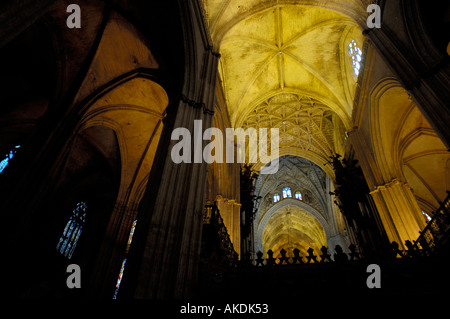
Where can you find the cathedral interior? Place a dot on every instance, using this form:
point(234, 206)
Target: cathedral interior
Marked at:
point(87, 175)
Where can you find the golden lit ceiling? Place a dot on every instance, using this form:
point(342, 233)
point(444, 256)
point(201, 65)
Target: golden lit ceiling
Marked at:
point(285, 64)
point(275, 50)
point(307, 127)
point(280, 51)
point(293, 227)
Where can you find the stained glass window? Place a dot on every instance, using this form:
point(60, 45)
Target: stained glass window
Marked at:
point(355, 54)
point(276, 198)
point(298, 195)
point(8, 157)
point(427, 217)
point(119, 279)
point(287, 192)
point(69, 239)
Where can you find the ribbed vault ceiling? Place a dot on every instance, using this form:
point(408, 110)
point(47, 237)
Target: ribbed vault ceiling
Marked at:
point(284, 64)
point(300, 175)
point(278, 51)
point(291, 223)
point(293, 227)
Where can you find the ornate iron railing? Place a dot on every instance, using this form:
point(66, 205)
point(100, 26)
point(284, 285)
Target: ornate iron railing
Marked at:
point(434, 235)
point(437, 229)
point(213, 220)
point(309, 258)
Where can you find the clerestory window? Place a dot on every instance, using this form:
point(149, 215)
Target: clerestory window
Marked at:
point(287, 192)
point(276, 198)
point(355, 54)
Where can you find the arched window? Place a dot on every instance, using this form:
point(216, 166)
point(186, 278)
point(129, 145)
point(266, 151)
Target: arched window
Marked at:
point(276, 198)
point(72, 231)
point(355, 54)
point(9, 156)
point(287, 192)
point(298, 195)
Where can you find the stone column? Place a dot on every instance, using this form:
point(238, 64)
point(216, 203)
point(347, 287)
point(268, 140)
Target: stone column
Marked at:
point(399, 211)
point(164, 255)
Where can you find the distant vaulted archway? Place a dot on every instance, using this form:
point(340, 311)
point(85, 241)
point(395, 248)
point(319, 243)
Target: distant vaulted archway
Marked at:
point(296, 210)
point(292, 228)
point(292, 224)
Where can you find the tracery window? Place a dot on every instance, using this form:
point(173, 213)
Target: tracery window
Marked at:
point(287, 192)
point(69, 239)
point(8, 157)
point(298, 195)
point(276, 198)
point(355, 54)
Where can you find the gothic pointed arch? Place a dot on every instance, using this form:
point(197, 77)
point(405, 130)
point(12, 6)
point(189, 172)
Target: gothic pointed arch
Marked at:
point(403, 142)
point(315, 205)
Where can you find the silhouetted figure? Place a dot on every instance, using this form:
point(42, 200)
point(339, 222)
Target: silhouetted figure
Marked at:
point(339, 255)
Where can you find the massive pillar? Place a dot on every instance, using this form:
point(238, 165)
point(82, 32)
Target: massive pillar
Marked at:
point(402, 70)
point(399, 211)
point(165, 252)
point(422, 69)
